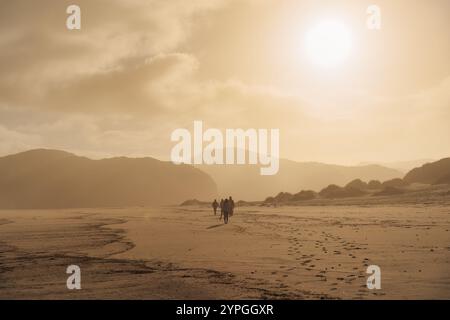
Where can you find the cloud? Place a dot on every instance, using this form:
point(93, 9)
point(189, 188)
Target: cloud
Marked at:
point(37, 51)
point(143, 85)
point(14, 141)
point(128, 78)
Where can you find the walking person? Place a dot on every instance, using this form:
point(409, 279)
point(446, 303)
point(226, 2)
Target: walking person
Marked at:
point(221, 208)
point(215, 204)
point(231, 201)
point(226, 210)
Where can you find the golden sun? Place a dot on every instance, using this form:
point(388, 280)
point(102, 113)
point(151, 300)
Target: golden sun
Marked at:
point(328, 43)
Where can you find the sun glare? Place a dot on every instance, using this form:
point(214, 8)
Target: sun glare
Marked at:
point(328, 43)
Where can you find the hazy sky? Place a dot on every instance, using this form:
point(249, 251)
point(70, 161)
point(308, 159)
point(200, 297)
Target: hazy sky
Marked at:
point(137, 70)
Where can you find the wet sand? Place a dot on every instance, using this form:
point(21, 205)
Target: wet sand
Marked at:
point(310, 252)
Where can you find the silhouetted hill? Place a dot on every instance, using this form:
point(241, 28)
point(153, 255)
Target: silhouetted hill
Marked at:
point(194, 202)
point(395, 183)
point(335, 192)
point(445, 179)
point(374, 184)
point(430, 173)
point(57, 179)
point(245, 181)
point(357, 184)
point(403, 166)
point(283, 197)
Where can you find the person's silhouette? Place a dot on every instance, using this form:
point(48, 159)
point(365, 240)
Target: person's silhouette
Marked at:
point(226, 210)
point(215, 204)
point(221, 208)
point(230, 200)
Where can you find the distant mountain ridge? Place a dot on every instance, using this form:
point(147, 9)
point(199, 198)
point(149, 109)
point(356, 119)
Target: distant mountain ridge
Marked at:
point(56, 179)
point(437, 172)
point(403, 166)
point(434, 173)
point(245, 181)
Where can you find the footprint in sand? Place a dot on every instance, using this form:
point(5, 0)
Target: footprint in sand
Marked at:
point(306, 262)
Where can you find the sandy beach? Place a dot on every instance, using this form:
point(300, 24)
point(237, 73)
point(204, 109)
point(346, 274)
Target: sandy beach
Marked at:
point(308, 252)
